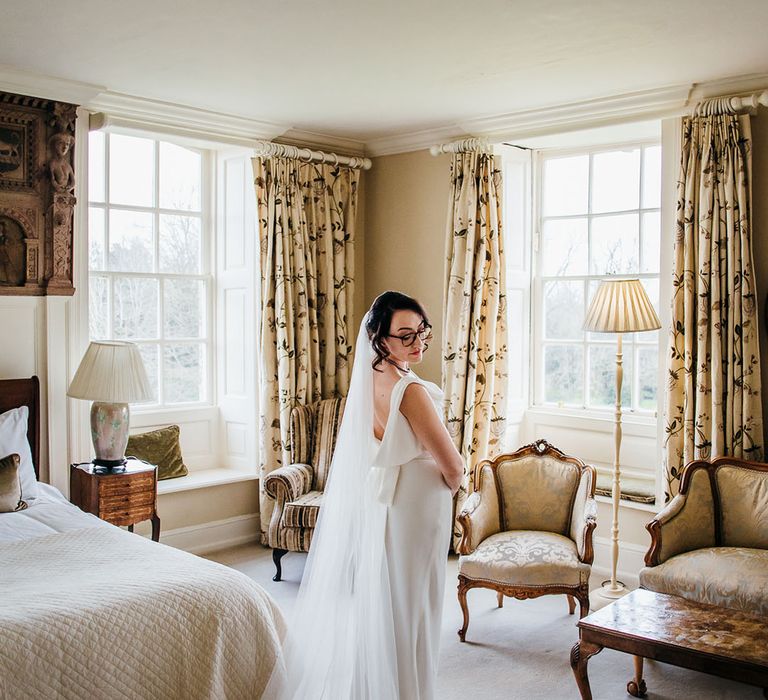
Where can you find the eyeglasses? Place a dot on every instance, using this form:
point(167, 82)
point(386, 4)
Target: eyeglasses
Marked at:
point(424, 335)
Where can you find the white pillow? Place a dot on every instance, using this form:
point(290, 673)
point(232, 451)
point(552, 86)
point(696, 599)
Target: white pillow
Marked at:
point(13, 439)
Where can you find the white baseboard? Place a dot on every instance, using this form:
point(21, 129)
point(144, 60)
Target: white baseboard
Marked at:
point(219, 534)
point(631, 560)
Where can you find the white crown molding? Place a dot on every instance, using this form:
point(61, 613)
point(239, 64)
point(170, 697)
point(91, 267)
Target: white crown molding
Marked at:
point(736, 85)
point(632, 106)
point(127, 110)
point(324, 142)
point(23, 83)
point(657, 103)
point(413, 141)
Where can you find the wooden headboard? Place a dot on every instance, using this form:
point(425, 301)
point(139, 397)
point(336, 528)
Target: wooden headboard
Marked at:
point(24, 392)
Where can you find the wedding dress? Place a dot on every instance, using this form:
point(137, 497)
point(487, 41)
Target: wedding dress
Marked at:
point(366, 624)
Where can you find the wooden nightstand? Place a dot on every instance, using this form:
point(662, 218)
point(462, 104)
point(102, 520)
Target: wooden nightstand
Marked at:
point(123, 498)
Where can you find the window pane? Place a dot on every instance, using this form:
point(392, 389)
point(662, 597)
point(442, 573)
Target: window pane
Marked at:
point(131, 170)
point(135, 307)
point(184, 309)
point(564, 247)
point(563, 310)
point(615, 181)
point(149, 353)
point(566, 186)
point(563, 374)
point(96, 166)
point(652, 177)
point(180, 244)
point(615, 245)
point(180, 178)
point(651, 236)
point(591, 289)
point(602, 374)
point(183, 373)
point(98, 300)
point(131, 247)
point(96, 239)
point(648, 361)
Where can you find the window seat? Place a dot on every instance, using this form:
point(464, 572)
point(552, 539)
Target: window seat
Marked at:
point(202, 478)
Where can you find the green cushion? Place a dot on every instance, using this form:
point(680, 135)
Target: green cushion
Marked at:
point(160, 447)
point(10, 485)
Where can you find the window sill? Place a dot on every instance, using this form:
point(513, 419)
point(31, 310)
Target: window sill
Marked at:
point(632, 425)
point(203, 478)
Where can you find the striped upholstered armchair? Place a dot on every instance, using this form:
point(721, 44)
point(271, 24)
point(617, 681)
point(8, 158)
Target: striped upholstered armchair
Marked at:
point(298, 487)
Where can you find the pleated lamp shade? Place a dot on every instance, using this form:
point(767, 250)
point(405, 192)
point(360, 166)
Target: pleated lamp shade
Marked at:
point(111, 371)
point(621, 306)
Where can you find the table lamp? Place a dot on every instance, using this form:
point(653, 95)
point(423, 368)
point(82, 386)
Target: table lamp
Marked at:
point(111, 374)
point(619, 306)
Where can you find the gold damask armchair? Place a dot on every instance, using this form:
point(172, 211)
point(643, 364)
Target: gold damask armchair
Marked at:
point(298, 487)
point(527, 528)
point(709, 544)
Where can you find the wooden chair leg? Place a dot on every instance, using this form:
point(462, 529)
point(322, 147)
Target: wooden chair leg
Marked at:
point(583, 598)
point(500, 598)
point(463, 588)
point(277, 555)
point(571, 605)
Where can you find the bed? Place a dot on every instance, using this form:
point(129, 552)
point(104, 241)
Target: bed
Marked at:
point(88, 610)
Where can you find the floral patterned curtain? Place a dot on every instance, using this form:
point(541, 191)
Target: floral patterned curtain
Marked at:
point(306, 217)
point(475, 329)
point(713, 404)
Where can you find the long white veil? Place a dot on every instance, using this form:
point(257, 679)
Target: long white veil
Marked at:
point(340, 641)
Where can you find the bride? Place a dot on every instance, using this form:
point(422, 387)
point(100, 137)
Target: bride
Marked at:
point(366, 624)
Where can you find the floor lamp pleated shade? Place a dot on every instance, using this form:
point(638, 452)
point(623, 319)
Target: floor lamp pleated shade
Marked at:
point(619, 306)
point(112, 375)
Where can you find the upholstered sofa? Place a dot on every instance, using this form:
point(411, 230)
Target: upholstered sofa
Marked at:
point(527, 528)
point(710, 543)
point(298, 487)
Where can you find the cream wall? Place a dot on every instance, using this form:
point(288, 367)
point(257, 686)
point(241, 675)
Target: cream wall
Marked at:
point(406, 211)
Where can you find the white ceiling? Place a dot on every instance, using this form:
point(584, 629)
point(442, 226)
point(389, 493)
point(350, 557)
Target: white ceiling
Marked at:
point(365, 69)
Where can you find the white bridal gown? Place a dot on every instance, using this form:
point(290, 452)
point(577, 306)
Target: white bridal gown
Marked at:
point(418, 531)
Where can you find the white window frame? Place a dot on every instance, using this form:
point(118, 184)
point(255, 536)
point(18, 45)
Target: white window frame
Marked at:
point(161, 412)
point(643, 418)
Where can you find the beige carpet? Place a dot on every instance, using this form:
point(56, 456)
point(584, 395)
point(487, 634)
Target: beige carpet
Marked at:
point(520, 651)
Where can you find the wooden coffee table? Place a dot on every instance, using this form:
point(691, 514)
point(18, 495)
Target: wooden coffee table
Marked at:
point(727, 643)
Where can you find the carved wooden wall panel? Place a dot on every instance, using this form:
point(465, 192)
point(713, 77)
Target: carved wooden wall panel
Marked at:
point(37, 184)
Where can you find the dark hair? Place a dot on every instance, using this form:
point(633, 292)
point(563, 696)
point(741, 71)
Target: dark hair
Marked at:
point(380, 318)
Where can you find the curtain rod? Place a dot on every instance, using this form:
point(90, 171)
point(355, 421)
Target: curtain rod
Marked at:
point(468, 145)
point(731, 105)
point(268, 149)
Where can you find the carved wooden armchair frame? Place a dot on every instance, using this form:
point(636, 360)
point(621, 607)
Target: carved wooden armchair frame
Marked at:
point(471, 538)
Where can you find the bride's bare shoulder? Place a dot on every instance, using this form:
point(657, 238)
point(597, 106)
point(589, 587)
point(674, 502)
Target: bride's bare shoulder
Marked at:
point(415, 399)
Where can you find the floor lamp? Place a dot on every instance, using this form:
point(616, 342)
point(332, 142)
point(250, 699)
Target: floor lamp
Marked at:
point(619, 306)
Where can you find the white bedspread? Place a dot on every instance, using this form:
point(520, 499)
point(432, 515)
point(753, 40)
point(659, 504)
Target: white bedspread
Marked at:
point(97, 612)
point(48, 513)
